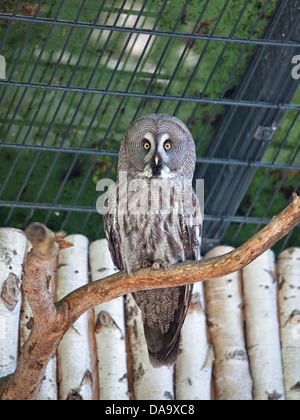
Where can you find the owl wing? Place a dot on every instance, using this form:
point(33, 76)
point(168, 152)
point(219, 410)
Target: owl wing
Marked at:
point(112, 228)
point(191, 231)
point(112, 232)
point(191, 228)
point(168, 354)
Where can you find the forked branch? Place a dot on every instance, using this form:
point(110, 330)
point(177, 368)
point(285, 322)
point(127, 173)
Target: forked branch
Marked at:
point(52, 320)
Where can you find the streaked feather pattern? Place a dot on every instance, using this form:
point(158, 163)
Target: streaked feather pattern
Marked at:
point(157, 237)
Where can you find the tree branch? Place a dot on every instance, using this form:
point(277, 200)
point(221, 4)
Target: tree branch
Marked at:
point(51, 321)
point(48, 327)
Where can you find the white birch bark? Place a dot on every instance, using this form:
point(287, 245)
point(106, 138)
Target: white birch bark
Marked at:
point(74, 362)
point(12, 253)
point(289, 315)
point(224, 313)
point(109, 331)
point(148, 383)
point(262, 328)
point(195, 361)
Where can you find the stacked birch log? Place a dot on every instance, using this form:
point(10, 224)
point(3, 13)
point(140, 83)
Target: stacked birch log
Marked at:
point(240, 341)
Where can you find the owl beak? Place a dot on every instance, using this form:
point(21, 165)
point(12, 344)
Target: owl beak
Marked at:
point(156, 160)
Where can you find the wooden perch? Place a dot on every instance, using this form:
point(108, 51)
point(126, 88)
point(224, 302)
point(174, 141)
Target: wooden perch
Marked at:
point(51, 321)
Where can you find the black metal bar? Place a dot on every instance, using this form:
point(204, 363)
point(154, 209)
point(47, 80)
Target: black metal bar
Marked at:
point(45, 21)
point(204, 159)
point(230, 78)
point(108, 85)
point(117, 111)
point(255, 199)
point(10, 24)
point(93, 210)
point(229, 102)
point(269, 78)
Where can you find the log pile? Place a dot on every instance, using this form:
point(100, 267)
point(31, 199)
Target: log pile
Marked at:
point(240, 341)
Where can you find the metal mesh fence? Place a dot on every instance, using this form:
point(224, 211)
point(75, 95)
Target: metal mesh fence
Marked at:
point(79, 72)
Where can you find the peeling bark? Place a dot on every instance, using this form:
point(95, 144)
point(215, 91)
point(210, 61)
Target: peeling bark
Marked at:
point(49, 326)
point(48, 389)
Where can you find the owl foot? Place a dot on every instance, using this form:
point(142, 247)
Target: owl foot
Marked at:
point(160, 263)
point(145, 264)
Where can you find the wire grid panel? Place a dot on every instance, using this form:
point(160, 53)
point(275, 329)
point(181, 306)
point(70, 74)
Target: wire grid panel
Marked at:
point(78, 73)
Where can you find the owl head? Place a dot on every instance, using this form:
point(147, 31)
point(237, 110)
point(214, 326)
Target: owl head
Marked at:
point(158, 145)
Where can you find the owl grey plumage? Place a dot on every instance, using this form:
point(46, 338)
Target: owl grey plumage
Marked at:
point(156, 165)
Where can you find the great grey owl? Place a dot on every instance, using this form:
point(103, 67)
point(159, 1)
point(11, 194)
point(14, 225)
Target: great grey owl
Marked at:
point(153, 218)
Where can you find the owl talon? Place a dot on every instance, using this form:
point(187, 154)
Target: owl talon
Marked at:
point(160, 264)
point(146, 264)
point(155, 266)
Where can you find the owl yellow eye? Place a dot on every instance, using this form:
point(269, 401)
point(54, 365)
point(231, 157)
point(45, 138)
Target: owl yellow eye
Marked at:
point(167, 145)
point(147, 146)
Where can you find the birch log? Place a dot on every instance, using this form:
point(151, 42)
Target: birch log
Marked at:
point(109, 331)
point(224, 312)
point(12, 253)
point(289, 310)
point(194, 365)
point(148, 383)
point(74, 362)
point(262, 328)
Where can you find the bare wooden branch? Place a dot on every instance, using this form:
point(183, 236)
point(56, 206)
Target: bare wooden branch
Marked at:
point(43, 241)
point(48, 326)
point(51, 321)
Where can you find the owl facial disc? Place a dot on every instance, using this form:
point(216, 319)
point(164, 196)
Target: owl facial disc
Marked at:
point(158, 146)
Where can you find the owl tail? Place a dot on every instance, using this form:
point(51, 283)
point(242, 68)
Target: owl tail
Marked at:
point(163, 349)
point(163, 340)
